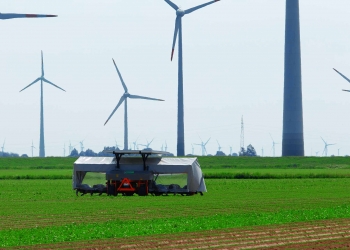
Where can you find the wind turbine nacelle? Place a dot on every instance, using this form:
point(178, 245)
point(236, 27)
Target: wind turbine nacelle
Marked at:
point(180, 12)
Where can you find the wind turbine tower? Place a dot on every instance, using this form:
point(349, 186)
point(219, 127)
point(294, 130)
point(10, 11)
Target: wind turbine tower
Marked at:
point(42, 79)
point(293, 134)
point(124, 99)
point(180, 110)
point(64, 150)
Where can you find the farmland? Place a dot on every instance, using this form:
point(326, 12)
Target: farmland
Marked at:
point(47, 211)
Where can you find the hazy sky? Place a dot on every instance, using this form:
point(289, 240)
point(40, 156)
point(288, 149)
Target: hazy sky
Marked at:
point(233, 66)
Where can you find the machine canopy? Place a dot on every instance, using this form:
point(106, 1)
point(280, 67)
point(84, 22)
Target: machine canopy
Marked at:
point(157, 165)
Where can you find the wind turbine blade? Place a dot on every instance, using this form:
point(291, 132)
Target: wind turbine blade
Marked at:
point(150, 142)
point(331, 144)
point(199, 6)
point(346, 90)
point(119, 103)
point(174, 6)
point(207, 141)
point(52, 84)
point(324, 141)
point(42, 64)
point(342, 75)
point(14, 15)
point(120, 76)
point(143, 97)
point(38, 79)
point(177, 26)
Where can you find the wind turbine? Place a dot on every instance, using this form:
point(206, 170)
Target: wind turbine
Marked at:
point(4, 16)
point(178, 31)
point(344, 78)
point(124, 99)
point(2, 148)
point(135, 144)
point(116, 144)
point(325, 150)
point(273, 145)
point(64, 150)
point(204, 150)
point(32, 147)
point(166, 147)
point(219, 148)
point(42, 79)
point(192, 149)
point(148, 144)
point(82, 145)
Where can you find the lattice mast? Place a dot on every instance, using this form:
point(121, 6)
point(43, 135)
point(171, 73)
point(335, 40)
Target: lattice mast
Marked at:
point(242, 134)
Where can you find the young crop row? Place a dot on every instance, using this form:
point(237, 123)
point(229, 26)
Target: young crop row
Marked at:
point(44, 211)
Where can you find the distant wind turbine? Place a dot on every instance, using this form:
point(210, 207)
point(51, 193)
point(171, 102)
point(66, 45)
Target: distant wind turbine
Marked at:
point(32, 147)
point(64, 150)
point(273, 145)
point(202, 144)
point(344, 78)
point(148, 144)
point(82, 145)
point(219, 147)
point(325, 150)
point(42, 79)
point(124, 99)
point(2, 148)
point(4, 16)
point(178, 30)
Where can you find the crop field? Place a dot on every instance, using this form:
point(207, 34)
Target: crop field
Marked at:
point(235, 213)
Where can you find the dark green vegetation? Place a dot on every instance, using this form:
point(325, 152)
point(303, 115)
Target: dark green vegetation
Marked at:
point(46, 211)
point(213, 167)
point(35, 211)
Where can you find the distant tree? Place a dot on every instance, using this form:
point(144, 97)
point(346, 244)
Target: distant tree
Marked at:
point(242, 152)
point(234, 154)
point(74, 153)
point(24, 155)
point(249, 152)
point(220, 153)
point(89, 152)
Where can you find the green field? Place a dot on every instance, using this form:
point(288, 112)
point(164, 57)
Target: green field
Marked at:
point(39, 210)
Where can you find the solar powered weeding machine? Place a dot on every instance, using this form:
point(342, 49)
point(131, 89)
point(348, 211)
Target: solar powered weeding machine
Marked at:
point(133, 174)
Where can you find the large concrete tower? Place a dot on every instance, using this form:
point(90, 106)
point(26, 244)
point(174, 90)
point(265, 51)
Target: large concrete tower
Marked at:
point(293, 135)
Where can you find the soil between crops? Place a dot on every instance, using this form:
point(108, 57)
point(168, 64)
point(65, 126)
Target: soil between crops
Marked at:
point(312, 235)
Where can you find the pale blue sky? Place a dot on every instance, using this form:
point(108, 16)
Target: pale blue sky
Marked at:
point(233, 66)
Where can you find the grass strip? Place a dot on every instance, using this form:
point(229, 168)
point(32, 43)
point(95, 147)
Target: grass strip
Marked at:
point(125, 228)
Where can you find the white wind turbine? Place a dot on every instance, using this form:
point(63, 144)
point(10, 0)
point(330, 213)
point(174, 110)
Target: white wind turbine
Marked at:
point(202, 144)
point(148, 144)
point(32, 147)
point(2, 148)
point(124, 99)
point(273, 145)
point(178, 31)
point(42, 79)
point(325, 150)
